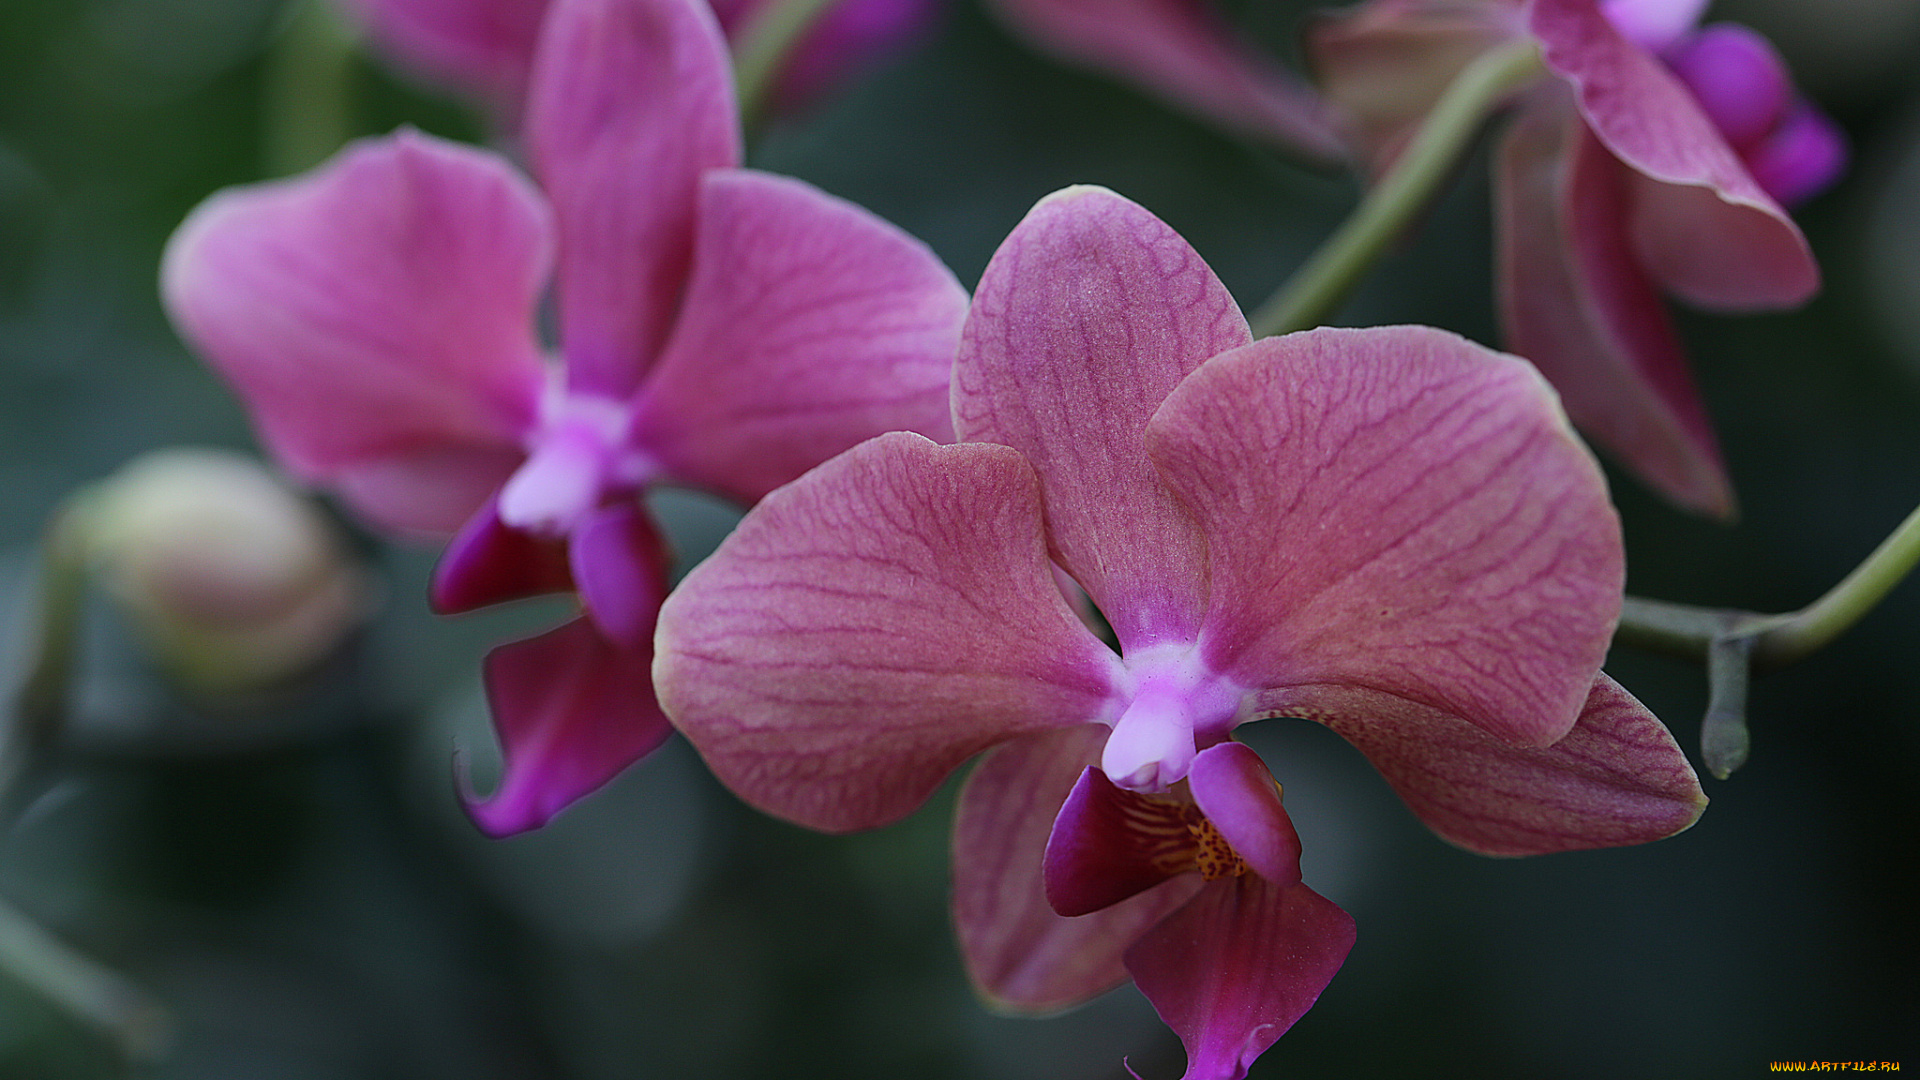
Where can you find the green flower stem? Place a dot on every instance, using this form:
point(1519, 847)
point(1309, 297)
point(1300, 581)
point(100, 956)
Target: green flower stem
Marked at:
point(1686, 631)
point(764, 46)
point(308, 88)
point(40, 709)
point(93, 993)
point(1409, 186)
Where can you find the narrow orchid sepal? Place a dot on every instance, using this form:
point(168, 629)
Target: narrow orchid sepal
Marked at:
point(873, 625)
point(836, 325)
point(1232, 787)
point(1088, 315)
point(572, 710)
point(631, 103)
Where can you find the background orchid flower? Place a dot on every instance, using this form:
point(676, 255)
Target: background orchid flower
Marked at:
point(719, 328)
point(1184, 51)
point(1390, 531)
point(1655, 159)
point(487, 47)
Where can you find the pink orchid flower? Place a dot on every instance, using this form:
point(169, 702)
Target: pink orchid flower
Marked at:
point(1390, 531)
point(719, 328)
point(1185, 52)
point(1656, 160)
point(487, 47)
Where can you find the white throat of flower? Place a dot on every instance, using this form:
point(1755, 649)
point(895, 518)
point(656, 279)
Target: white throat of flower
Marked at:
point(575, 458)
point(1178, 702)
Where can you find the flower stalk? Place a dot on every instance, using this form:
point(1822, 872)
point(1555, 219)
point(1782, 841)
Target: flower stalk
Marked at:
point(1734, 643)
point(764, 46)
point(1318, 288)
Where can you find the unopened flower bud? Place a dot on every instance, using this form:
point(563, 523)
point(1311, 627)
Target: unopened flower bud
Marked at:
point(235, 579)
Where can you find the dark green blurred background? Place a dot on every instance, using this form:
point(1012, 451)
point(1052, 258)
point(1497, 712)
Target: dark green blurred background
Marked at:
point(293, 879)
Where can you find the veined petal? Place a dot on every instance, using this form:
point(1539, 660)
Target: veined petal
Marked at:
point(376, 315)
point(1237, 966)
point(489, 563)
point(809, 325)
point(1021, 955)
point(632, 100)
point(572, 710)
point(1574, 300)
point(872, 625)
point(1183, 51)
point(1400, 509)
point(485, 46)
point(1617, 778)
point(1702, 226)
point(1085, 319)
point(621, 565)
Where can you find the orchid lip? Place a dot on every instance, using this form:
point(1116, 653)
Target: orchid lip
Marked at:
point(1178, 703)
point(576, 457)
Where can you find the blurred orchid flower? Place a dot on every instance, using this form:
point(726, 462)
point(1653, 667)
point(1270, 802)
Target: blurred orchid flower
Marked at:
point(487, 47)
point(1389, 531)
point(1183, 51)
point(719, 328)
point(1657, 158)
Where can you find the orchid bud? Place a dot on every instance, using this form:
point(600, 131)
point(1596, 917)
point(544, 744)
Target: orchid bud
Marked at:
point(234, 579)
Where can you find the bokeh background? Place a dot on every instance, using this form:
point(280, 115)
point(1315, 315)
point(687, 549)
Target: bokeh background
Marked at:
point(289, 873)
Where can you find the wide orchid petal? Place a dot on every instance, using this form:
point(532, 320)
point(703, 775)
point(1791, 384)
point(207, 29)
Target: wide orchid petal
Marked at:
point(621, 564)
point(489, 563)
point(1237, 966)
point(872, 625)
point(1233, 788)
point(485, 46)
point(1574, 299)
point(572, 709)
point(808, 326)
point(632, 100)
point(1444, 537)
point(1021, 954)
point(1088, 315)
point(1183, 51)
point(1702, 226)
point(1617, 778)
point(376, 315)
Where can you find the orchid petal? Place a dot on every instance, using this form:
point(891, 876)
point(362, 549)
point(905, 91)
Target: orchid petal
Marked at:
point(1573, 299)
point(1088, 315)
point(1443, 535)
point(489, 563)
point(621, 564)
point(872, 625)
point(1616, 779)
point(1702, 226)
point(1237, 966)
point(1232, 786)
point(1021, 955)
point(1184, 52)
point(485, 46)
point(572, 710)
point(632, 100)
point(376, 315)
point(809, 325)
